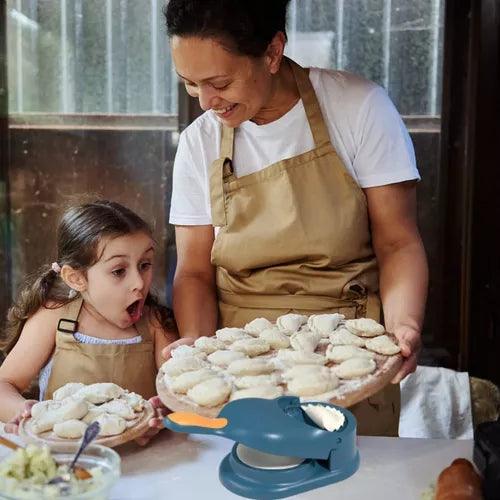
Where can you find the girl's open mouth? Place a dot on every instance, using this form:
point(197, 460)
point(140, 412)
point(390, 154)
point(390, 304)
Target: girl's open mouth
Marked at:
point(134, 310)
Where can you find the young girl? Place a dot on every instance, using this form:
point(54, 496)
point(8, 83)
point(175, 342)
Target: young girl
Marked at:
point(90, 316)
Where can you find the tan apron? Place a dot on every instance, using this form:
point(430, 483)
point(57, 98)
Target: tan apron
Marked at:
point(295, 237)
point(131, 366)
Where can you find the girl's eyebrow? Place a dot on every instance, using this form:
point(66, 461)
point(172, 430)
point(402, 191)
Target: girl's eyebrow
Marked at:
point(150, 249)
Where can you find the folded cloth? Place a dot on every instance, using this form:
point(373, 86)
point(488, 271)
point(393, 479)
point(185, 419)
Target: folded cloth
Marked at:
point(436, 404)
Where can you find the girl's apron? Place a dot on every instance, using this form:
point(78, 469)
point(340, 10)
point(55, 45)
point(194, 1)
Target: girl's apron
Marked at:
point(131, 366)
point(295, 237)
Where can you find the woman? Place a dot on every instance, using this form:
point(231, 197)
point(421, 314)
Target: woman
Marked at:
point(295, 191)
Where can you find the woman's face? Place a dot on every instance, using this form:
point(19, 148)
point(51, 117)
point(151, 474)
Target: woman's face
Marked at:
point(235, 87)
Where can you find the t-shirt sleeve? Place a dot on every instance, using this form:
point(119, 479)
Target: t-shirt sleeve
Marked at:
point(385, 154)
point(189, 205)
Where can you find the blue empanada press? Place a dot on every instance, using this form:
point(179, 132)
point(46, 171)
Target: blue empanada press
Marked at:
point(279, 451)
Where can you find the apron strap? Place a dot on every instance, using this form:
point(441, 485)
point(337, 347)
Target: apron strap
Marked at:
point(220, 170)
point(68, 321)
point(317, 124)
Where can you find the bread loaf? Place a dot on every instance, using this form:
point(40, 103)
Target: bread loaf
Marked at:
point(459, 481)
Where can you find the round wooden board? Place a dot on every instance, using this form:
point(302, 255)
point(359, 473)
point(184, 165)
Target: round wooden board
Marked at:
point(362, 388)
point(137, 428)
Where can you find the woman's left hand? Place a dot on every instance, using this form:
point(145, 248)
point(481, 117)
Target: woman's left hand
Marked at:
point(155, 423)
point(410, 344)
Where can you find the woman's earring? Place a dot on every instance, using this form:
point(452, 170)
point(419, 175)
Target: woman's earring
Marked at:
point(72, 293)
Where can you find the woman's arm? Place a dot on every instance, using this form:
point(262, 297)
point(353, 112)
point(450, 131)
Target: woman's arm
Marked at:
point(24, 362)
point(402, 263)
point(194, 292)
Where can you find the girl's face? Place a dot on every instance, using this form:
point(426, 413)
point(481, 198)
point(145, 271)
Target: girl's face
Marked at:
point(237, 88)
point(119, 282)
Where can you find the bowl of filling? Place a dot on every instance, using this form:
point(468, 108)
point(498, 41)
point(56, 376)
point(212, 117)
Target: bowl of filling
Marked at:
point(25, 474)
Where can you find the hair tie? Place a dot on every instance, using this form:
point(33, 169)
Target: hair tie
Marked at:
point(56, 268)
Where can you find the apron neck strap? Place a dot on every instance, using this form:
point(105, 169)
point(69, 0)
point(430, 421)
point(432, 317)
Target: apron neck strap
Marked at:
point(68, 321)
point(319, 129)
point(227, 142)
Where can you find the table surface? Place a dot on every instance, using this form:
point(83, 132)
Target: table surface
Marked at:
point(179, 466)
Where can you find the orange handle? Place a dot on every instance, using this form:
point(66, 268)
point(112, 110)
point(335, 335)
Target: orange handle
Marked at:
point(190, 419)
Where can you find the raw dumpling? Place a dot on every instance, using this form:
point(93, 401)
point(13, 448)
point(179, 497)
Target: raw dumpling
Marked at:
point(185, 351)
point(256, 326)
point(275, 338)
point(229, 335)
point(355, 367)
point(92, 414)
point(339, 353)
point(312, 384)
point(209, 344)
point(301, 357)
point(305, 341)
point(176, 366)
point(223, 358)
point(185, 381)
point(290, 323)
point(67, 390)
point(110, 424)
point(324, 324)
point(250, 367)
point(70, 429)
point(255, 380)
point(72, 409)
point(305, 370)
point(364, 327)
point(383, 345)
point(42, 406)
point(262, 391)
point(119, 407)
point(99, 393)
point(134, 400)
point(252, 347)
point(343, 336)
point(209, 393)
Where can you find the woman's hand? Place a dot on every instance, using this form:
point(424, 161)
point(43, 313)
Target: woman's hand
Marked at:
point(12, 426)
point(166, 352)
point(155, 423)
point(410, 344)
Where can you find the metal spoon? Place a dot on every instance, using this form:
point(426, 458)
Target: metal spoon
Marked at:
point(91, 433)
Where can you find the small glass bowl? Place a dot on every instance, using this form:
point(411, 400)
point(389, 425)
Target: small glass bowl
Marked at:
point(95, 488)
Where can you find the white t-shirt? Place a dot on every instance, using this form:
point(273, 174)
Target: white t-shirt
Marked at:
point(364, 126)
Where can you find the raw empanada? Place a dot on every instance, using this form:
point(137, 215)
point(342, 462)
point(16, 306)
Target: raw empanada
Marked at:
point(339, 353)
point(229, 335)
point(176, 366)
point(99, 393)
point(301, 357)
point(355, 367)
point(383, 345)
point(223, 358)
point(290, 323)
point(342, 336)
point(119, 407)
point(70, 429)
point(92, 414)
point(305, 341)
point(209, 344)
point(42, 406)
point(255, 380)
point(312, 384)
point(262, 391)
point(252, 347)
point(135, 400)
point(71, 409)
point(305, 370)
point(185, 381)
point(185, 351)
point(111, 424)
point(67, 390)
point(275, 338)
point(256, 326)
point(364, 327)
point(324, 324)
point(209, 393)
point(242, 367)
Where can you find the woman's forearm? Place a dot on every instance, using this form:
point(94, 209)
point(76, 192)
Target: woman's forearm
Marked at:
point(403, 285)
point(195, 306)
point(12, 401)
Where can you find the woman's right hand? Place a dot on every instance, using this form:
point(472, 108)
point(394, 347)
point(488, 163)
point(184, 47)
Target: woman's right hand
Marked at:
point(166, 352)
point(12, 426)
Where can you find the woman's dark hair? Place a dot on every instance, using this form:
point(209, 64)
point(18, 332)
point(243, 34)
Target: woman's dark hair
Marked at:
point(244, 27)
point(81, 229)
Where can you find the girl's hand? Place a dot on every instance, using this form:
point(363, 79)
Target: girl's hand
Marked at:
point(166, 353)
point(410, 344)
point(12, 426)
point(155, 423)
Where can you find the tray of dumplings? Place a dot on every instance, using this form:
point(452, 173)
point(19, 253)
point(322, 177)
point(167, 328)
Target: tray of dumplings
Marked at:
point(122, 415)
point(319, 358)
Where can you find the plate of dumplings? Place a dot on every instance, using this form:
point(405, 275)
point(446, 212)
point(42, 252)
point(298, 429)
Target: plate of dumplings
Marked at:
point(322, 357)
point(122, 415)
